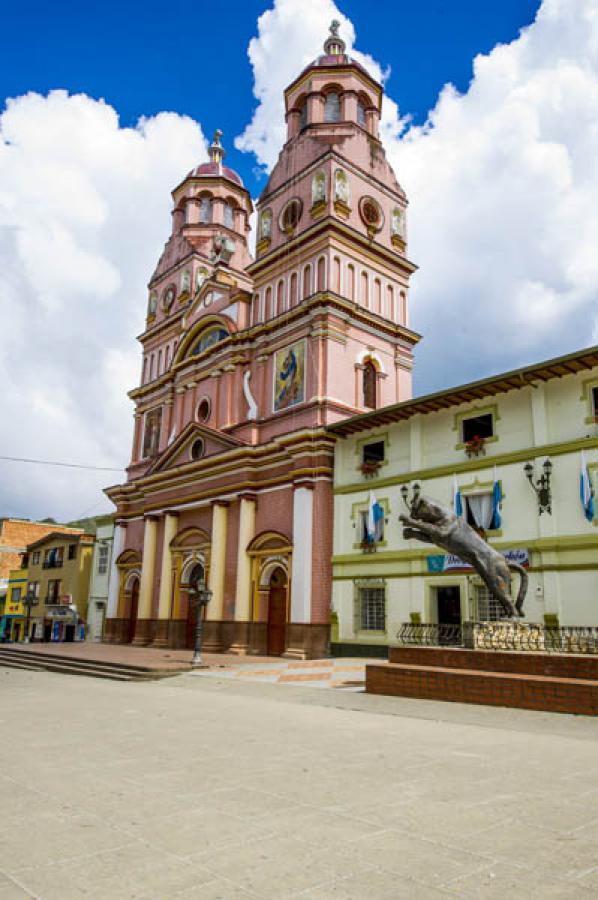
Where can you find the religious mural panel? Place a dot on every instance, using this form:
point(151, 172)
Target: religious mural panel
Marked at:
point(289, 376)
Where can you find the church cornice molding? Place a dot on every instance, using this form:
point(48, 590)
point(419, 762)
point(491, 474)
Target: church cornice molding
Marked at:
point(262, 266)
point(251, 340)
point(308, 74)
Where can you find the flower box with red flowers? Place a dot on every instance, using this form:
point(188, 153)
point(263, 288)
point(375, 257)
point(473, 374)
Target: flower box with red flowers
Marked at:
point(475, 446)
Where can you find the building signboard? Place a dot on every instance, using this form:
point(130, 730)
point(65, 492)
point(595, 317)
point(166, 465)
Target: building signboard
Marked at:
point(449, 562)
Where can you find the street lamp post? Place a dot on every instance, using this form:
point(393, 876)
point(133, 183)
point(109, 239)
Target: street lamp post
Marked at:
point(29, 600)
point(203, 595)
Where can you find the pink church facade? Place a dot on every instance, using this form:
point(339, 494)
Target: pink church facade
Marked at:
point(247, 361)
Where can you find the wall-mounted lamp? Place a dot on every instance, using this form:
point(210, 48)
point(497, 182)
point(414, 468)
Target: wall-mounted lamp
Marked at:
point(541, 485)
point(415, 495)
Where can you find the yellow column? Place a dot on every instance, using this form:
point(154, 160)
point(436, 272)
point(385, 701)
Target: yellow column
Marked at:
point(243, 587)
point(142, 635)
point(215, 608)
point(170, 530)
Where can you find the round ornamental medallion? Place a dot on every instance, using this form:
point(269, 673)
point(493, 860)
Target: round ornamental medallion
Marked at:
point(291, 213)
point(203, 410)
point(197, 449)
point(371, 213)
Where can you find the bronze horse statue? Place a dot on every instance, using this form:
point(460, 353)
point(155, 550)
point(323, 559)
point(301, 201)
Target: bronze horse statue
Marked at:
point(432, 523)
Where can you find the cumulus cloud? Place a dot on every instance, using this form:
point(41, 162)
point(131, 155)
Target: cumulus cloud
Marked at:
point(84, 212)
point(502, 182)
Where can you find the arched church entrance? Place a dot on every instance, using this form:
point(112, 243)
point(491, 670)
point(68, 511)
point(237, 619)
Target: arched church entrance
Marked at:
point(195, 577)
point(134, 589)
point(277, 612)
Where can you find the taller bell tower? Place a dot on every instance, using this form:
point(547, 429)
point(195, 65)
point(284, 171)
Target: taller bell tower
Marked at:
point(332, 239)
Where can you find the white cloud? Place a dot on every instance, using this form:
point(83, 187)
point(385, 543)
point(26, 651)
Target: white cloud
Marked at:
point(84, 213)
point(502, 180)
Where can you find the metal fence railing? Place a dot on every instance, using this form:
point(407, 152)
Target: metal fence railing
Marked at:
point(502, 635)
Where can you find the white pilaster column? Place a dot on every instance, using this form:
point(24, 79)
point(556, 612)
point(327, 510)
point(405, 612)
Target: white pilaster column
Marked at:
point(147, 579)
point(164, 597)
point(246, 532)
point(303, 528)
point(118, 542)
point(215, 608)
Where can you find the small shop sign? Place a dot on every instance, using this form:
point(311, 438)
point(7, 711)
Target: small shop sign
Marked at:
point(449, 562)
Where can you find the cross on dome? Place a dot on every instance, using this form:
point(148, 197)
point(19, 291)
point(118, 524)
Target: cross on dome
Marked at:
point(334, 45)
point(216, 151)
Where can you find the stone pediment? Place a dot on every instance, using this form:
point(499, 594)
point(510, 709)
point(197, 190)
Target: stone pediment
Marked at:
point(179, 453)
point(177, 248)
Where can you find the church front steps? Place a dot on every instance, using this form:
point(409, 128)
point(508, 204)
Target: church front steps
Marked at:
point(518, 680)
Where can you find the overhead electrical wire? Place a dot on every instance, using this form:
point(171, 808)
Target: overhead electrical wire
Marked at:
point(67, 465)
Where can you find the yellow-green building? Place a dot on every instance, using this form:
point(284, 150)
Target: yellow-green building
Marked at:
point(511, 431)
point(13, 616)
point(59, 569)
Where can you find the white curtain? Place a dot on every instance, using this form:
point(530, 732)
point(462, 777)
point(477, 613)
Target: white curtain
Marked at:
point(480, 506)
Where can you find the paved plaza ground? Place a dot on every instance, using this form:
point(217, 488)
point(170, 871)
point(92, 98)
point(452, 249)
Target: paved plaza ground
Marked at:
point(234, 788)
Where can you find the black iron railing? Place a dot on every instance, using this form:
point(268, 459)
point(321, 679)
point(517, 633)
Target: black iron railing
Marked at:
point(502, 635)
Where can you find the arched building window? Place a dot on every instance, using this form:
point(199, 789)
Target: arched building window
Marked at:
point(293, 298)
point(369, 385)
point(321, 274)
point(377, 296)
point(361, 113)
point(390, 307)
point(306, 282)
point(280, 298)
point(303, 114)
point(205, 210)
point(336, 275)
point(364, 289)
point(229, 215)
point(332, 107)
point(269, 312)
point(351, 281)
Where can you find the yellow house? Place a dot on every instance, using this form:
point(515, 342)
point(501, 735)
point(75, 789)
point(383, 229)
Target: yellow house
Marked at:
point(13, 619)
point(59, 569)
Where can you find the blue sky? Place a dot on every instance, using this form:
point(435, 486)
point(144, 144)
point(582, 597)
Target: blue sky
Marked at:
point(191, 58)
point(502, 184)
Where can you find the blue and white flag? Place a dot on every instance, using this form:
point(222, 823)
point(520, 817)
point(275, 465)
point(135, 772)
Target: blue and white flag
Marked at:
point(586, 493)
point(375, 515)
point(496, 501)
point(457, 498)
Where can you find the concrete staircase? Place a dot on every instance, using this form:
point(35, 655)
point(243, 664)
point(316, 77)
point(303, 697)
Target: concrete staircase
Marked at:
point(16, 658)
point(541, 681)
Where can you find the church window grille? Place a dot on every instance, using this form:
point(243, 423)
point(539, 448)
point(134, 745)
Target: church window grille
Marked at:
point(488, 607)
point(360, 114)
point(228, 215)
point(371, 608)
point(369, 385)
point(332, 107)
point(102, 559)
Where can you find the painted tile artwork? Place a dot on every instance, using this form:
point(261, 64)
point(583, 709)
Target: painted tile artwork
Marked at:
point(289, 376)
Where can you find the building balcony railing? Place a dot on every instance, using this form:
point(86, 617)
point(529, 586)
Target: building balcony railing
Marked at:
point(52, 564)
point(502, 635)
